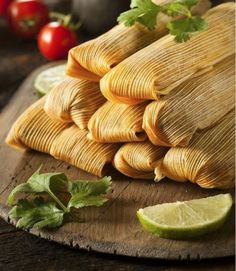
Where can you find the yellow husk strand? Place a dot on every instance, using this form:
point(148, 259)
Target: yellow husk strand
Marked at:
point(73, 147)
point(35, 130)
point(207, 161)
point(93, 59)
point(117, 123)
point(74, 100)
point(138, 160)
point(165, 64)
point(196, 104)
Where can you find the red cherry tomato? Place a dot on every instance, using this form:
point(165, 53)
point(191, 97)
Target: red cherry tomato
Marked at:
point(27, 17)
point(3, 6)
point(55, 40)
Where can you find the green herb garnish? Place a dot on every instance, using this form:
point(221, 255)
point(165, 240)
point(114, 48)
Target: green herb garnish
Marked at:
point(39, 213)
point(145, 12)
point(36, 213)
point(84, 193)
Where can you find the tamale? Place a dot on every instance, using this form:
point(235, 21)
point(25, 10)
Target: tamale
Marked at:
point(196, 104)
point(73, 147)
point(74, 100)
point(93, 59)
point(160, 67)
point(208, 160)
point(34, 129)
point(138, 159)
point(117, 123)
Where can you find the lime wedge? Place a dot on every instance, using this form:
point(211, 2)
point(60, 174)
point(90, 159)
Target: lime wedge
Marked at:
point(49, 78)
point(181, 220)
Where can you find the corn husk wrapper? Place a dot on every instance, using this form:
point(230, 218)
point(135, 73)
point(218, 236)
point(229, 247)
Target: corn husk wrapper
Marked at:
point(93, 59)
point(117, 123)
point(73, 147)
point(196, 104)
point(208, 160)
point(34, 129)
point(165, 64)
point(74, 100)
point(138, 159)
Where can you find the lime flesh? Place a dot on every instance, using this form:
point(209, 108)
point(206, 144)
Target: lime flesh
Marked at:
point(187, 219)
point(49, 78)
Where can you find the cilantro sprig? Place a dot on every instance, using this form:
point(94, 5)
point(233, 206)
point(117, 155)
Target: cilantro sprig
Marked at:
point(145, 12)
point(36, 213)
point(39, 213)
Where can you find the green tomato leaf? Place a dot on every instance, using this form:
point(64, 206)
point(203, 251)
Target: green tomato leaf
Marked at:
point(182, 29)
point(85, 188)
point(143, 11)
point(36, 214)
point(79, 201)
point(38, 183)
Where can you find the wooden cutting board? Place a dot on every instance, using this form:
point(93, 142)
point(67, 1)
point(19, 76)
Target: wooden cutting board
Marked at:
point(114, 227)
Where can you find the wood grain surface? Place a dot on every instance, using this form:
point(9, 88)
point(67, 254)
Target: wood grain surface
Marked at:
point(112, 228)
point(25, 252)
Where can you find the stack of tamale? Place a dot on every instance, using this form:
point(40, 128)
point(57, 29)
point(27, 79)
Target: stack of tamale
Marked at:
point(145, 104)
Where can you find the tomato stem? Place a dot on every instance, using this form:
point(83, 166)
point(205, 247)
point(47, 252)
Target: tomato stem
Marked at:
point(65, 20)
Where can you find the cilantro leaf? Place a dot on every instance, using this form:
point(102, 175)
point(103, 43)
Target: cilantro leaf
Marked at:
point(182, 29)
point(79, 201)
point(143, 11)
point(90, 187)
point(188, 3)
point(175, 8)
point(87, 193)
point(133, 4)
point(38, 183)
point(36, 214)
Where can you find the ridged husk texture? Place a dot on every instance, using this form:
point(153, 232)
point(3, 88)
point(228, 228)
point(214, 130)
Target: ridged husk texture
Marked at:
point(74, 100)
point(117, 123)
point(93, 59)
point(138, 159)
point(196, 104)
point(34, 129)
point(208, 160)
point(73, 147)
point(160, 67)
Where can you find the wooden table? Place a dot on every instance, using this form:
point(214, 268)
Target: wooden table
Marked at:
point(22, 251)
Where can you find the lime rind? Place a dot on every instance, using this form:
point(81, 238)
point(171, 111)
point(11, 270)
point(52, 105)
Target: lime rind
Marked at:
point(49, 78)
point(185, 232)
